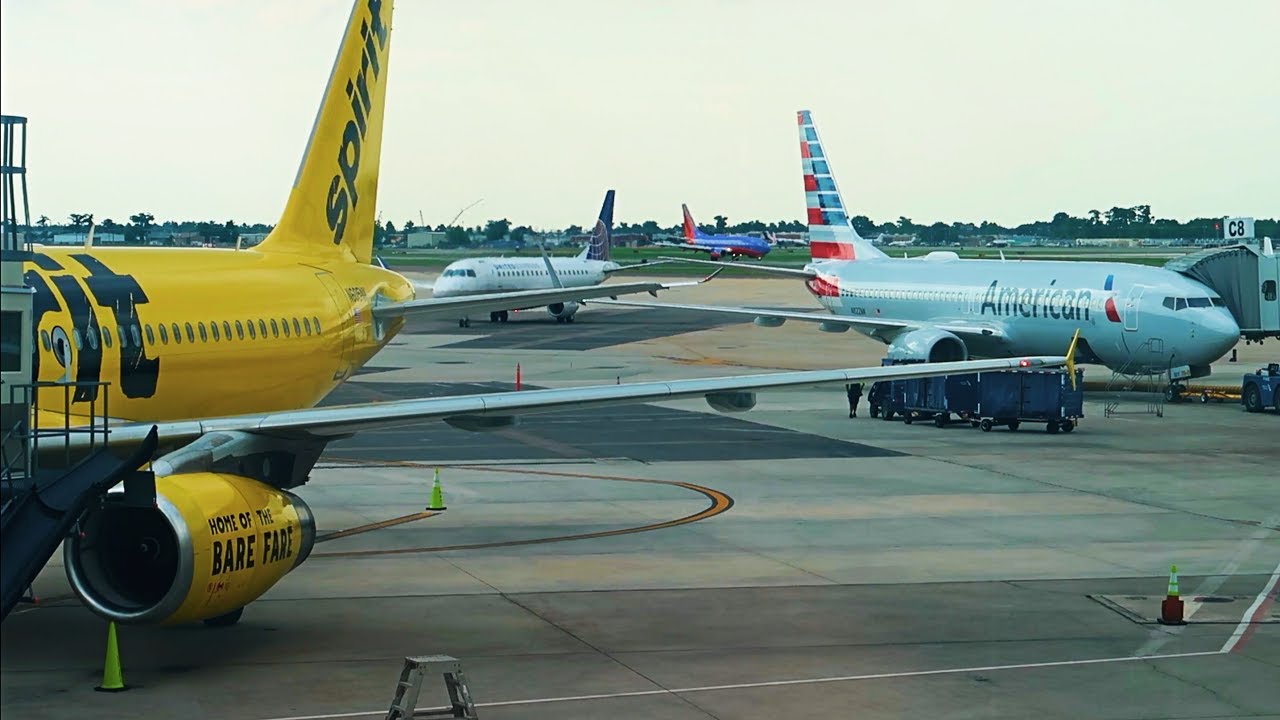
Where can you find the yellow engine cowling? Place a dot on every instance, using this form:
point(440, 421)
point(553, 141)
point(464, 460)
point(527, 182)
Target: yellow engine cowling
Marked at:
point(213, 543)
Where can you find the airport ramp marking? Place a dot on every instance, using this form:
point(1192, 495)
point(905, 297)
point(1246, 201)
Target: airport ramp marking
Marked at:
point(719, 503)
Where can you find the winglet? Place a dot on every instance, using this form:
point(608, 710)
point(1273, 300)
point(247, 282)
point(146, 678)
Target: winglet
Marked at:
point(1071, 357)
point(555, 279)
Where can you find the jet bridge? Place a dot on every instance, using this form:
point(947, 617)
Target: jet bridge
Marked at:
point(1246, 277)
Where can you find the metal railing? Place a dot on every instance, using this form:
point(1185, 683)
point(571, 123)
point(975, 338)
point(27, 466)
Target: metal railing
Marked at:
point(26, 441)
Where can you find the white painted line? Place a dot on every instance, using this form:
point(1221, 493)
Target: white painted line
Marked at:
point(783, 683)
point(1160, 636)
point(1248, 619)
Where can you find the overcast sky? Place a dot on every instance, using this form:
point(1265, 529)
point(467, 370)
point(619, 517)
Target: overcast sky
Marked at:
point(1006, 110)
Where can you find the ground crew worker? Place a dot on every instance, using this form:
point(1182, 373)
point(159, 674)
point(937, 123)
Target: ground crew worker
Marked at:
point(854, 392)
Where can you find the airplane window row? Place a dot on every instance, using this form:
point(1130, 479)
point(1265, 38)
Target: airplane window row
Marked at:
point(940, 295)
point(1196, 302)
point(459, 272)
point(538, 273)
point(94, 337)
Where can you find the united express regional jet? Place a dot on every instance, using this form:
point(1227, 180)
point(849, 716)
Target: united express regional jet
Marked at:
point(1132, 318)
point(477, 276)
point(216, 358)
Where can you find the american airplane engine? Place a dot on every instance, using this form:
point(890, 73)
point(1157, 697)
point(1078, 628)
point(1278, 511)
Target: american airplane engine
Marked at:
point(928, 344)
point(213, 543)
point(563, 312)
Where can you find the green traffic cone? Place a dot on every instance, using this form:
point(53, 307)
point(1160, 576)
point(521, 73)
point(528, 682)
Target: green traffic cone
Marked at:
point(112, 675)
point(437, 494)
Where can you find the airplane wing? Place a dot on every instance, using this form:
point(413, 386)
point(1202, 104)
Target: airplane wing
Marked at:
point(638, 266)
point(863, 323)
point(490, 411)
point(494, 302)
point(768, 269)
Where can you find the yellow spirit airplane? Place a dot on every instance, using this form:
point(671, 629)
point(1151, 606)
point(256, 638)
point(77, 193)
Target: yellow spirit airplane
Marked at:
point(223, 354)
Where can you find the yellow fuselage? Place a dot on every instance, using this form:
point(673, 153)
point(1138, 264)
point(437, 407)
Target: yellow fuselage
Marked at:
point(312, 326)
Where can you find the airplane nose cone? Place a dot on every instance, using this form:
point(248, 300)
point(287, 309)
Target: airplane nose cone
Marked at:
point(1219, 333)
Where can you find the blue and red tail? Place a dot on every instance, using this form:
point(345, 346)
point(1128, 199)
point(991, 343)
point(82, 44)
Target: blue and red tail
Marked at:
point(831, 236)
point(691, 232)
point(602, 234)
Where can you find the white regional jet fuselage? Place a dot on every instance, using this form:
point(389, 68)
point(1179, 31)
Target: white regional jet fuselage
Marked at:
point(480, 276)
point(1131, 317)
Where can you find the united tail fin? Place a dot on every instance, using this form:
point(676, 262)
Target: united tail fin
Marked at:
point(331, 209)
point(690, 227)
point(831, 236)
point(601, 241)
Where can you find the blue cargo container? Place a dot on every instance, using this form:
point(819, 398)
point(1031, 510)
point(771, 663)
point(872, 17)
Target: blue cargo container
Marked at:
point(1012, 397)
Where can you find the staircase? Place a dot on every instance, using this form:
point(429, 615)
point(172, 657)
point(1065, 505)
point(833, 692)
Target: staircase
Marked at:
point(40, 506)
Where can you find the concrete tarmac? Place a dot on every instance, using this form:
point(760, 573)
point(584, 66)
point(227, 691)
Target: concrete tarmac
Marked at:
point(665, 561)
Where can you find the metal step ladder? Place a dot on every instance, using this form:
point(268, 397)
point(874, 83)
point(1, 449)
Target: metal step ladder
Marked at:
point(404, 704)
point(36, 517)
point(1128, 379)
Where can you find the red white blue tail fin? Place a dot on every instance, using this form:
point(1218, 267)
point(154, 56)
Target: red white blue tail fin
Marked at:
point(831, 236)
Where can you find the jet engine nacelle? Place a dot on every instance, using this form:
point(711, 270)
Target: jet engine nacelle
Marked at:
point(928, 344)
point(562, 311)
point(213, 543)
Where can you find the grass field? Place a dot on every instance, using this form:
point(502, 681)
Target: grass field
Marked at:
point(434, 260)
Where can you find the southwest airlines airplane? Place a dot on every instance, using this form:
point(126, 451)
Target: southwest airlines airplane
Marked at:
point(478, 276)
point(215, 360)
point(717, 246)
point(1132, 318)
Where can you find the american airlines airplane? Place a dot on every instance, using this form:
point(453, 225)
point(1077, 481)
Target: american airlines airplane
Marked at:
point(717, 246)
point(487, 275)
point(1132, 318)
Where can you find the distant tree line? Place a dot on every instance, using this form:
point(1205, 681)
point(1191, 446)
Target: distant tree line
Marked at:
point(1135, 222)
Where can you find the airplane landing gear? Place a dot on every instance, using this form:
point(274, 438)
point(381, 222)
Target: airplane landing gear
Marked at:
point(500, 316)
point(464, 323)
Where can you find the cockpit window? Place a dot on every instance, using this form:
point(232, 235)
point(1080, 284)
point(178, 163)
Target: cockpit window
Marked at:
point(1195, 302)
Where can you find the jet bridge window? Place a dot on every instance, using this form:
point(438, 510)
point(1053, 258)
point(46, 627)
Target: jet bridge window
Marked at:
point(1269, 290)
